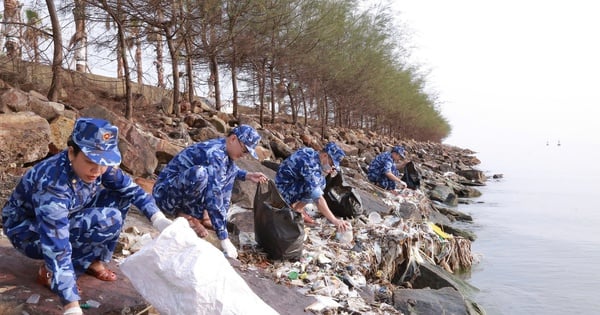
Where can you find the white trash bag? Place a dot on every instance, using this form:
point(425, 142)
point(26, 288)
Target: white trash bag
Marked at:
point(180, 273)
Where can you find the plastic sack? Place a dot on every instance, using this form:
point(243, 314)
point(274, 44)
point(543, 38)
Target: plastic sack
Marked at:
point(342, 199)
point(179, 273)
point(411, 176)
point(278, 229)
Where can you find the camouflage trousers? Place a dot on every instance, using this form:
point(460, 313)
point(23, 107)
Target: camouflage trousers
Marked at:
point(184, 193)
point(93, 231)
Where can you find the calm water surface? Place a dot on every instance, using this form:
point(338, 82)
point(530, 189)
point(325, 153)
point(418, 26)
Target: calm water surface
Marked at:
point(537, 230)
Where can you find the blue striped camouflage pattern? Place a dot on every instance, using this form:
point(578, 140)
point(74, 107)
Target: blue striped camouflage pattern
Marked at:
point(55, 216)
point(98, 140)
point(335, 152)
point(199, 178)
point(249, 137)
point(399, 149)
point(381, 165)
point(300, 177)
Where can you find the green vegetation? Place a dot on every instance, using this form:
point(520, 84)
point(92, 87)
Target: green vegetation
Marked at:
point(322, 60)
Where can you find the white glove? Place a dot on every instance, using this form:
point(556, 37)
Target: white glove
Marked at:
point(229, 249)
point(404, 185)
point(73, 311)
point(159, 221)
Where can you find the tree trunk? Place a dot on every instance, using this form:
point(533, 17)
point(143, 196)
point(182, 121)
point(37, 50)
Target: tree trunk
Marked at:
point(58, 57)
point(214, 71)
point(12, 32)
point(128, 90)
point(292, 103)
point(138, 59)
point(272, 92)
point(175, 67)
point(234, 87)
point(262, 81)
point(80, 37)
point(160, 69)
point(121, 48)
point(190, 71)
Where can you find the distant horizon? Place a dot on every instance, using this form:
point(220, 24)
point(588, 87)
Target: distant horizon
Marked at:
point(509, 74)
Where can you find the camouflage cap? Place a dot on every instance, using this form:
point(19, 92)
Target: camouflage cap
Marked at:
point(399, 149)
point(249, 137)
point(98, 140)
point(335, 152)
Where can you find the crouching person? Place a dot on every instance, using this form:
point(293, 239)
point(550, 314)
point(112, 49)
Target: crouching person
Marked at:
point(300, 180)
point(197, 183)
point(69, 210)
point(383, 171)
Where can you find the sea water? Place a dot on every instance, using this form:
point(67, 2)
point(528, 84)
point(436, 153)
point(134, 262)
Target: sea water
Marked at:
point(537, 230)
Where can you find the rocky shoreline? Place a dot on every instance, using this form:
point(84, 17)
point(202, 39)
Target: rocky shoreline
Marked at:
point(406, 246)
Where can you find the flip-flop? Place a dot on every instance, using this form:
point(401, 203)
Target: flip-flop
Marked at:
point(104, 274)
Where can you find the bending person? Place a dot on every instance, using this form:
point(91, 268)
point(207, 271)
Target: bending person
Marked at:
point(200, 178)
point(301, 180)
point(383, 171)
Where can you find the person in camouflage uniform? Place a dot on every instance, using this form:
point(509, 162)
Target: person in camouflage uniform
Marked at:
point(300, 180)
point(200, 178)
point(383, 171)
point(69, 210)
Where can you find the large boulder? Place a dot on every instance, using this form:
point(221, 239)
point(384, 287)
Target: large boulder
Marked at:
point(139, 157)
point(24, 138)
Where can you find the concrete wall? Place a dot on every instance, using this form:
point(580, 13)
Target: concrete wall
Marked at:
point(27, 76)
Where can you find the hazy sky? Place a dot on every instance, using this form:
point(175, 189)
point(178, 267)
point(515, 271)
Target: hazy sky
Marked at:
point(510, 72)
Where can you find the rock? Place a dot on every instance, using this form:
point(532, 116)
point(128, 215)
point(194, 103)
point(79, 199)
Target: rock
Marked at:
point(60, 131)
point(24, 138)
point(14, 100)
point(138, 158)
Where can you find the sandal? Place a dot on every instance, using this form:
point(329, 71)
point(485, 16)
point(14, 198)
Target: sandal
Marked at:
point(196, 225)
point(44, 278)
point(206, 221)
point(104, 274)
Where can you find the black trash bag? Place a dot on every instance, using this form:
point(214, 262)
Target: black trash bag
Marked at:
point(411, 176)
point(342, 199)
point(278, 229)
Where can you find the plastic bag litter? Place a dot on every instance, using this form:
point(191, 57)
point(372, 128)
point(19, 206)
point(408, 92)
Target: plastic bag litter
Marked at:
point(179, 273)
point(278, 229)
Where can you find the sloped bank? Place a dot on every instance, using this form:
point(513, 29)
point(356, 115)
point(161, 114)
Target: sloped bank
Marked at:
point(404, 253)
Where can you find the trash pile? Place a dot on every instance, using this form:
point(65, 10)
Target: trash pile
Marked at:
point(355, 272)
point(359, 275)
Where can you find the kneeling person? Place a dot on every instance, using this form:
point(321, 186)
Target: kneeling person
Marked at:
point(69, 210)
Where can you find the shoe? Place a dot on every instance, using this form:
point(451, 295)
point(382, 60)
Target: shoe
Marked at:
point(104, 274)
point(44, 277)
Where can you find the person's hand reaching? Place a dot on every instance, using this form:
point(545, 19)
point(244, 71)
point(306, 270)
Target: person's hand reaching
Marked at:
point(257, 177)
point(341, 225)
point(229, 249)
point(159, 221)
